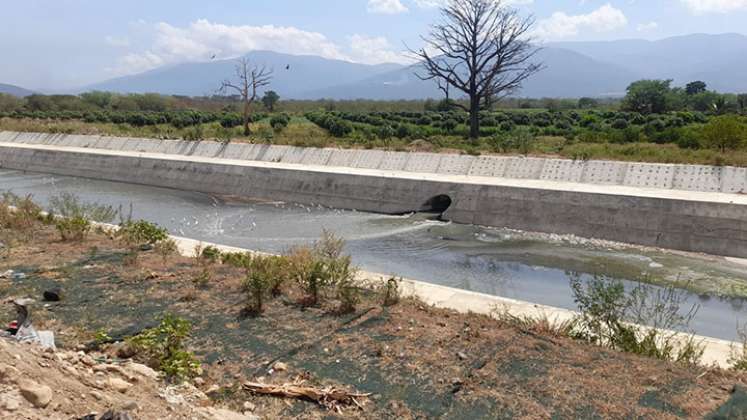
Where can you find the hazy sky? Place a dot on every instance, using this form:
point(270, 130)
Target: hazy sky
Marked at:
point(68, 43)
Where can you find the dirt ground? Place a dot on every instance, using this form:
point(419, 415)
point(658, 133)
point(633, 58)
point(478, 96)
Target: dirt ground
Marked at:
point(414, 361)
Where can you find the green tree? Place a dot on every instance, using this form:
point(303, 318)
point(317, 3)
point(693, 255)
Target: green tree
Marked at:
point(702, 101)
point(40, 103)
point(648, 96)
point(587, 103)
point(694, 88)
point(270, 99)
point(742, 101)
point(98, 98)
point(724, 133)
point(10, 103)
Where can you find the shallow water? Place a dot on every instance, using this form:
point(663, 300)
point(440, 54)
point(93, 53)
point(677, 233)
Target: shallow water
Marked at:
point(488, 260)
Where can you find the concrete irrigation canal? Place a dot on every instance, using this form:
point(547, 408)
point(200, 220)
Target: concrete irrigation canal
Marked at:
point(510, 263)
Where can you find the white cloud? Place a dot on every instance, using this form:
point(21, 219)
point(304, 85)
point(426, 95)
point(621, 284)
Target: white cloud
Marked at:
point(647, 27)
point(561, 25)
point(374, 50)
point(387, 7)
point(715, 6)
point(203, 40)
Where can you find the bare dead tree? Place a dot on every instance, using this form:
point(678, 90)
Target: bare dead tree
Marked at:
point(249, 80)
point(482, 48)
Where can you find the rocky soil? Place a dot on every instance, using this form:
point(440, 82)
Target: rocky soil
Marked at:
point(55, 384)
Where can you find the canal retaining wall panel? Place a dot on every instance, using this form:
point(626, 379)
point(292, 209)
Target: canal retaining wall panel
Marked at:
point(716, 227)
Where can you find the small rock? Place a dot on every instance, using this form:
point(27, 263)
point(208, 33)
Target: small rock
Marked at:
point(87, 360)
point(8, 374)
point(223, 414)
point(124, 350)
point(462, 356)
point(10, 403)
point(249, 406)
point(96, 394)
point(280, 366)
point(53, 295)
point(142, 370)
point(199, 381)
point(119, 385)
point(38, 395)
point(130, 406)
point(213, 389)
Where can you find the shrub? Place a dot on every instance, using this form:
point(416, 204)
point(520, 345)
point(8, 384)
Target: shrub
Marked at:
point(74, 221)
point(256, 287)
point(724, 133)
point(25, 215)
point(73, 228)
point(611, 317)
point(279, 121)
point(141, 232)
point(163, 348)
point(69, 205)
point(166, 248)
point(210, 254)
point(620, 124)
point(318, 267)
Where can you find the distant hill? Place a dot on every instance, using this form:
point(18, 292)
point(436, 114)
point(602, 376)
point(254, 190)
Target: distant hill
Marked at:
point(15, 90)
point(573, 69)
point(718, 60)
point(566, 74)
point(293, 75)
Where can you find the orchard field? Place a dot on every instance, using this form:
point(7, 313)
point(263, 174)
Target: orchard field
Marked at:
point(703, 127)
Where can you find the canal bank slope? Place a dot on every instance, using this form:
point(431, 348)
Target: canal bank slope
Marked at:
point(670, 206)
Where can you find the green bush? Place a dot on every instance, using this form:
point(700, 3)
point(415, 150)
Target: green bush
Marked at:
point(73, 220)
point(322, 266)
point(164, 349)
point(141, 232)
point(612, 317)
point(73, 228)
point(724, 133)
point(279, 121)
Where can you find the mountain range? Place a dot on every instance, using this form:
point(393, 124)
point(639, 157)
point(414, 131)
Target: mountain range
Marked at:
point(14, 90)
point(572, 69)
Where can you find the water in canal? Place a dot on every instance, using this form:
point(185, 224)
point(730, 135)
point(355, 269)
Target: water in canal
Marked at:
point(495, 261)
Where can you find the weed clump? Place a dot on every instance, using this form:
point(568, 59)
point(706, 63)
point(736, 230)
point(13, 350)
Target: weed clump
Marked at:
point(266, 275)
point(72, 218)
point(321, 266)
point(612, 317)
point(166, 248)
point(18, 213)
point(164, 349)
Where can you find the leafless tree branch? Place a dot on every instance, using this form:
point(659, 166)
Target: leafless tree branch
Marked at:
point(249, 80)
point(482, 48)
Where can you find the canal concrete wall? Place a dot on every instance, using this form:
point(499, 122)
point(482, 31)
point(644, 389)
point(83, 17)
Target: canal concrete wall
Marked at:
point(701, 178)
point(654, 214)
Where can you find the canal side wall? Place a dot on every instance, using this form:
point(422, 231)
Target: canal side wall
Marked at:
point(701, 178)
point(710, 222)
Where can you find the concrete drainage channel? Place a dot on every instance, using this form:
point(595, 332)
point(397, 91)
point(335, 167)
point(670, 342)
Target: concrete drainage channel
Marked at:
point(624, 202)
point(688, 220)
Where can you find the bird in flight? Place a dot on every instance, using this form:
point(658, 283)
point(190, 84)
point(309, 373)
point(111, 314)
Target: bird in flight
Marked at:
point(288, 67)
point(212, 57)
